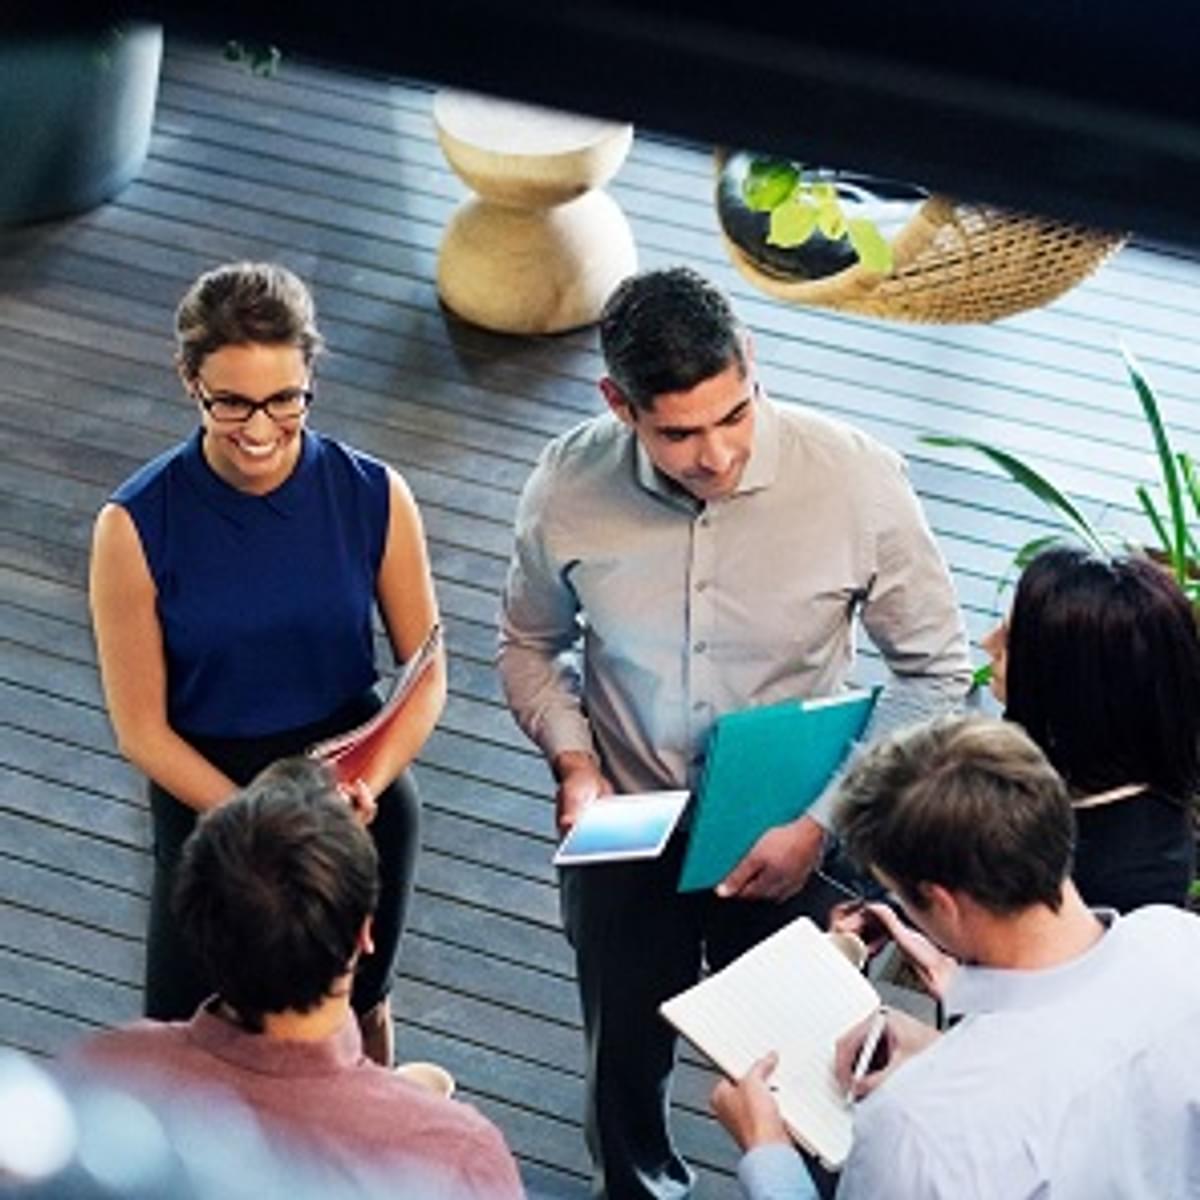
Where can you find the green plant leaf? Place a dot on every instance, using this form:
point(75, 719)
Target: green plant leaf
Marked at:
point(1175, 539)
point(1023, 557)
point(768, 183)
point(792, 223)
point(1191, 484)
point(1142, 492)
point(1033, 548)
point(831, 221)
point(1187, 468)
point(823, 192)
point(257, 57)
point(873, 249)
point(982, 676)
point(1038, 485)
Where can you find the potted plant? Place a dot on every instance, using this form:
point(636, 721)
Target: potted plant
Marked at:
point(75, 116)
point(801, 222)
point(76, 111)
point(884, 249)
point(1172, 509)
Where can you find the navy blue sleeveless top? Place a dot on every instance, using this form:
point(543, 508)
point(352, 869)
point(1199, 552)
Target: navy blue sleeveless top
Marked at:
point(264, 601)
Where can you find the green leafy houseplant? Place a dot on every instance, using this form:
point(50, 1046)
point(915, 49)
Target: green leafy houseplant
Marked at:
point(803, 201)
point(1172, 508)
point(794, 222)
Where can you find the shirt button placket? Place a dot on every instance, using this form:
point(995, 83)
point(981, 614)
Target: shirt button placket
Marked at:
point(700, 669)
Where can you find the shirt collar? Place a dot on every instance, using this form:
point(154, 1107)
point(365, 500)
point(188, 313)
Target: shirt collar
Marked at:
point(761, 468)
point(974, 990)
point(284, 500)
point(274, 1056)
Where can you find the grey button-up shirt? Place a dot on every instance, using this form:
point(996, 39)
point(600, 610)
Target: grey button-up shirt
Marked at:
point(635, 615)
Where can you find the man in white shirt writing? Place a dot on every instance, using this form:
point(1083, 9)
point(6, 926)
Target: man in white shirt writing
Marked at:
point(1074, 1069)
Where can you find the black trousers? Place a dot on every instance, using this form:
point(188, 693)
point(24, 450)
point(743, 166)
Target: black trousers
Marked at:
point(637, 942)
point(174, 982)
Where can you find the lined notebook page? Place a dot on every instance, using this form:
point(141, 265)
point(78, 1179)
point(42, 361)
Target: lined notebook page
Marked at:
point(794, 993)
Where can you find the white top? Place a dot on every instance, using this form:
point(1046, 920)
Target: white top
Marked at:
point(1079, 1083)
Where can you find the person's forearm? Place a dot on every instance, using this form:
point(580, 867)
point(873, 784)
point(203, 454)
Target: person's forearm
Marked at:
point(421, 714)
point(775, 1172)
point(544, 699)
point(177, 767)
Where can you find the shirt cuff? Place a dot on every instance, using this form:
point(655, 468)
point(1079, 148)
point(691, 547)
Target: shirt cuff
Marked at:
point(566, 734)
point(775, 1172)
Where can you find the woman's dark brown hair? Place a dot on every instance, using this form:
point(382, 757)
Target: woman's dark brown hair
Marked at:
point(1103, 671)
point(241, 303)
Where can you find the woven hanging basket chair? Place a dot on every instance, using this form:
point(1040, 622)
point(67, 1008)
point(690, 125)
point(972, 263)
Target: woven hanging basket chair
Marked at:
point(954, 262)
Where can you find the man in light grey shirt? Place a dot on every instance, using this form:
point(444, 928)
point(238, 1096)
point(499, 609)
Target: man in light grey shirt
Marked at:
point(1075, 1069)
point(694, 551)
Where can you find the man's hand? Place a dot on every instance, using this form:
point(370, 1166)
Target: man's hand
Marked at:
point(580, 781)
point(778, 864)
point(747, 1109)
point(934, 968)
point(903, 1036)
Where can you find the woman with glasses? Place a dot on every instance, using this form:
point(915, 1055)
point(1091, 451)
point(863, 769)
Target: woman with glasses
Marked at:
point(233, 583)
point(1099, 660)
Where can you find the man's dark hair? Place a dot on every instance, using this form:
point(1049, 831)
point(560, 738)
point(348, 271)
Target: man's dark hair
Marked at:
point(967, 802)
point(240, 303)
point(273, 890)
point(1103, 671)
point(667, 331)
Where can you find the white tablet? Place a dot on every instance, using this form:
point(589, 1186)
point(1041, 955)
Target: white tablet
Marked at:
point(622, 827)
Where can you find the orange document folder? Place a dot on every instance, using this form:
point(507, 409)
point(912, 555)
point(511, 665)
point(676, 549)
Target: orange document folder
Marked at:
point(350, 753)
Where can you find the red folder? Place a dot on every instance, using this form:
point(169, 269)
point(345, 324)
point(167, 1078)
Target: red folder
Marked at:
point(350, 754)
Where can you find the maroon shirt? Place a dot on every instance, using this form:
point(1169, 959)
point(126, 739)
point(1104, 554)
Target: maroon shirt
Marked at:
point(325, 1096)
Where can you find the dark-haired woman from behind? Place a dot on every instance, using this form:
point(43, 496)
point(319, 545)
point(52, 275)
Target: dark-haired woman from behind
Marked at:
point(1099, 660)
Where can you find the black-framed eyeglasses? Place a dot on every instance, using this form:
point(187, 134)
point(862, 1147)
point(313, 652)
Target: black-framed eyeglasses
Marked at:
point(289, 404)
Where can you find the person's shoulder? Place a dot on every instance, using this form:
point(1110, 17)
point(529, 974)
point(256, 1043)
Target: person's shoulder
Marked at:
point(125, 1051)
point(590, 443)
point(1159, 929)
point(811, 434)
point(335, 455)
point(419, 1119)
point(586, 456)
point(152, 477)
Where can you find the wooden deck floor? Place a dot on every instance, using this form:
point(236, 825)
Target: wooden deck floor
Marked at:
point(341, 177)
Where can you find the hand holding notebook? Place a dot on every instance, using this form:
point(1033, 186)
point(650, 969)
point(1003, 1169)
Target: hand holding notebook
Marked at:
point(794, 993)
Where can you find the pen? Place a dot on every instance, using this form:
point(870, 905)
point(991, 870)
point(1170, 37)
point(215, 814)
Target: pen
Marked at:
point(867, 1050)
point(839, 886)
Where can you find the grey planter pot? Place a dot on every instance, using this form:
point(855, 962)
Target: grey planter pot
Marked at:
point(75, 118)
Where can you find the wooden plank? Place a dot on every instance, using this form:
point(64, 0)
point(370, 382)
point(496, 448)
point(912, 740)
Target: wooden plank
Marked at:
point(342, 178)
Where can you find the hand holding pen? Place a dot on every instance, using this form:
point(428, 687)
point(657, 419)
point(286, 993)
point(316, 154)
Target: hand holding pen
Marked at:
point(875, 1047)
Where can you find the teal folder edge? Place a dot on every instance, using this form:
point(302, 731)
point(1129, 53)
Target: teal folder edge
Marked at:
point(764, 767)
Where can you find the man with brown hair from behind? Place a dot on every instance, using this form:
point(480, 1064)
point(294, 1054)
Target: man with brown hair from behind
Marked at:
point(275, 893)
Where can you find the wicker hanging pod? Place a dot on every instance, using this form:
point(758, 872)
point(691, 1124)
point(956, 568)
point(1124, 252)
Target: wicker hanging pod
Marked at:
point(954, 262)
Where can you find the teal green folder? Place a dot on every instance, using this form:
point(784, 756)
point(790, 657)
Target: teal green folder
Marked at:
point(764, 767)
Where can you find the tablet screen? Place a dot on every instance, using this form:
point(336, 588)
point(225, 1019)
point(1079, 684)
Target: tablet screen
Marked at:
point(622, 827)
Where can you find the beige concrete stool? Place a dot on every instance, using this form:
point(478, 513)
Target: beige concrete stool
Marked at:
point(540, 247)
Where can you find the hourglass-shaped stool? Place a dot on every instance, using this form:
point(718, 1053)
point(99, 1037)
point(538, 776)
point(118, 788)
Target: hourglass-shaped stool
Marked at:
point(539, 247)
